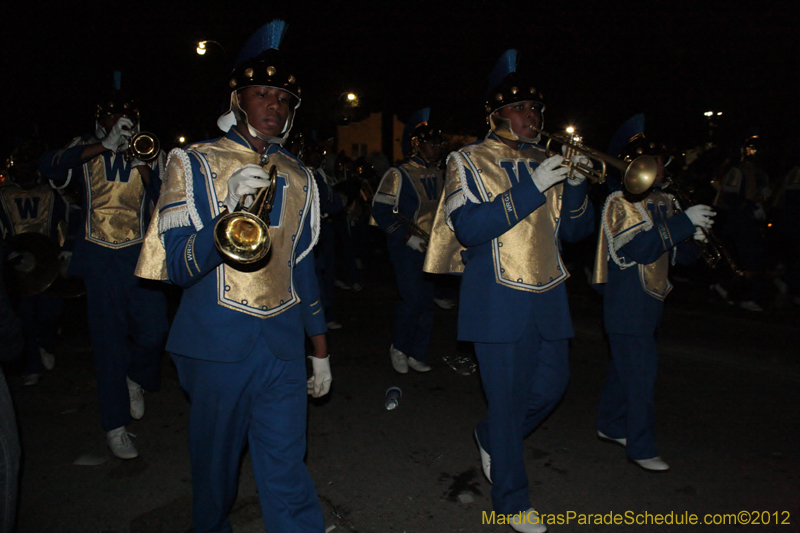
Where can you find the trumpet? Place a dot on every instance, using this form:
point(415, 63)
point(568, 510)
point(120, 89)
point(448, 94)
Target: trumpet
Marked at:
point(243, 235)
point(143, 146)
point(413, 228)
point(712, 251)
point(637, 175)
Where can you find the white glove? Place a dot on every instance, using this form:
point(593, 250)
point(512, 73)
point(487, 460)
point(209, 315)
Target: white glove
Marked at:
point(700, 236)
point(549, 173)
point(700, 215)
point(580, 159)
point(118, 137)
point(416, 243)
point(320, 381)
point(759, 212)
point(244, 180)
point(64, 259)
point(137, 163)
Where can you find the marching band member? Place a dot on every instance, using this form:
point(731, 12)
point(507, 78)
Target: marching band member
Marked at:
point(238, 337)
point(641, 236)
point(127, 318)
point(503, 211)
point(29, 206)
point(404, 207)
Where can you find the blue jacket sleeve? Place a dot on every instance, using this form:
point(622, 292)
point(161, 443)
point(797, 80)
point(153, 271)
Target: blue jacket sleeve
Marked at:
point(55, 165)
point(191, 254)
point(647, 246)
point(476, 224)
point(407, 205)
point(306, 281)
point(577, 213)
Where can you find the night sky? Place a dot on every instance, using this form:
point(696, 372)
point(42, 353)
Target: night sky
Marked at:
point(598, 63)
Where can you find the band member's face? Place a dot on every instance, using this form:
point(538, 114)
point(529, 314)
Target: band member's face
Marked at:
point(430, 151)
point(267, 108)
point(522, 115)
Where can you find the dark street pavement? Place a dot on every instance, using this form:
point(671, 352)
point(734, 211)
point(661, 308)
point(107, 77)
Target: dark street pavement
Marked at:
point(727, 408)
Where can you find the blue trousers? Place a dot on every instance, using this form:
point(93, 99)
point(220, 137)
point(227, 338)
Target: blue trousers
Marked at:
point(39, 315)
point(523, 382)
point(414, 320)
point(128, 326)
point(627, 404)
point(260, 401)
point(9, 459)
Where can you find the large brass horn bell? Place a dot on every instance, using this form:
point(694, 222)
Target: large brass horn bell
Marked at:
point(143, 146)
point(243, 235)
point(637, 175)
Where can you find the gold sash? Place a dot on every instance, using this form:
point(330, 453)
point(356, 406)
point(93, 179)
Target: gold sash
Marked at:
point(31, 210)
point(268, 290)
point(526, 257)
point(115, 218)
point(622, 221)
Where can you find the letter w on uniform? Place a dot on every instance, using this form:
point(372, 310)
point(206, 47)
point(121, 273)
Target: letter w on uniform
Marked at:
point(516, 169)
point(28, 207)
point(116, 169)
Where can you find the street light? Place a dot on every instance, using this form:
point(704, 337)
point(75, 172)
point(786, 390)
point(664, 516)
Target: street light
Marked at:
point(202, 47)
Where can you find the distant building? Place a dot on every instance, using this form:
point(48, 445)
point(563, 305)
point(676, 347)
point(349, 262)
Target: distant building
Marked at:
point(380, 132)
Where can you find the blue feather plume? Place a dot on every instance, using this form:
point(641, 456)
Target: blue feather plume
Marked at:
point(266, 37)
point(423, 115)
point(504, 66)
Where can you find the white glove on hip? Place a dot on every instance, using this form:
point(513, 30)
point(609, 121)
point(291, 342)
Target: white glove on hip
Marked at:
point(700, 236)
point(320, 381)
point(549, 173)
point(119, 135)
point(700, 215)
point(416, 243)
point(244, 180)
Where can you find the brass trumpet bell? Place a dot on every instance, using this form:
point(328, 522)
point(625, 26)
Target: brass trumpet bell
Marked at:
point(143, 146)
point(243, 235)
point(637, 175)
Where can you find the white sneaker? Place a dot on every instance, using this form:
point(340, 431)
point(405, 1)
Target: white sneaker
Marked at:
point(444, 303)
point(419, 366)
point(655, 464)
point(342, 285)
point(31, 380)
point(603, 436)
point(399, 360)
point(119, 441)
point(357, 287)
point(486, 459)
point(136, 394)
point(527, 522)
point(48, 359)
point(334, 325)
point(750, 305)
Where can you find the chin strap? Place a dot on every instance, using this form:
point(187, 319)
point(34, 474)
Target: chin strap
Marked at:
point(502, 128)
point(237, 115)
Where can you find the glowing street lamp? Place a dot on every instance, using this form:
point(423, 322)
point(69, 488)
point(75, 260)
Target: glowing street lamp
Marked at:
point(202, 47)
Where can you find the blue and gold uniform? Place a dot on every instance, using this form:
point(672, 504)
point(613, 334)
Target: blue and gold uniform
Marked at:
point(411, 189)
point(238, 337)
point(496, 227)
point(639, 241)
point(38, 209)
point(127, 318)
